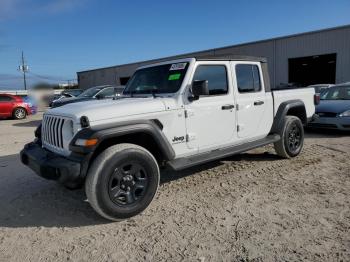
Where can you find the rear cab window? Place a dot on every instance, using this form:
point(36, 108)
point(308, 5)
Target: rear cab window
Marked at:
point(248, 78)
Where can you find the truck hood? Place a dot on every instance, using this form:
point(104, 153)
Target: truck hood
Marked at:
point(99, 110)
point(333, 106)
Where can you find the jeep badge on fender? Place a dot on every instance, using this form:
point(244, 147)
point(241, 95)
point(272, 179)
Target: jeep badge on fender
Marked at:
point(178, 139)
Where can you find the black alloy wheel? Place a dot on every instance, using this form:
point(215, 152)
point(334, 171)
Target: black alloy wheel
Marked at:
point(122, 181)
point(128, 184)
point(294, 138)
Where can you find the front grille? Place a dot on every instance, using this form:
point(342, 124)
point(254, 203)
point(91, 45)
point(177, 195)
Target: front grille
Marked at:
point(327, 114)
point(52, 131)
point(321, 125)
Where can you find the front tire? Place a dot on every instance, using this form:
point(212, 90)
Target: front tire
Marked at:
point(292, 138)
point(122, 181)
point(73, 186)
point(19, 113)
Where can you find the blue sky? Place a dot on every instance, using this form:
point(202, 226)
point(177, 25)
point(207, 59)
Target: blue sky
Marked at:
point(61, 37)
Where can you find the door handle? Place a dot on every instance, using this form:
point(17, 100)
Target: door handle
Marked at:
point(258, 103)
point(227, 107)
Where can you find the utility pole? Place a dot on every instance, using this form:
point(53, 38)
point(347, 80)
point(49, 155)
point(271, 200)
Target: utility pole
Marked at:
point(24, 68)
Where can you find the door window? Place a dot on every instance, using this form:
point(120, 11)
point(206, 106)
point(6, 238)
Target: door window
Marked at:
point(216, 76)
point(108, 92)
point(5, 98)
point(248, 78)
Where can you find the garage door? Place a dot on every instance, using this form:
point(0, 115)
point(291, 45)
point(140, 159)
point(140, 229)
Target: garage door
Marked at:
point(310, 70)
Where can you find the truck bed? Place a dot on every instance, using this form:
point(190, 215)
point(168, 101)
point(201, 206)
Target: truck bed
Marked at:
point(304, 94)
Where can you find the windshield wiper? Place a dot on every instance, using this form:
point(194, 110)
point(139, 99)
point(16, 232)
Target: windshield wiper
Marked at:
point(132, 94)
point(128, 94)
point(154, 91)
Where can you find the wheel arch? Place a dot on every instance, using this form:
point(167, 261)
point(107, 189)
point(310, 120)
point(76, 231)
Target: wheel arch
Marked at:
point(19, 106)
point(289, 108)
point(147, 134)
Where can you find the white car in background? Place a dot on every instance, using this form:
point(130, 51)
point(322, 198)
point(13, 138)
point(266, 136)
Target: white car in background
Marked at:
point(96, 92)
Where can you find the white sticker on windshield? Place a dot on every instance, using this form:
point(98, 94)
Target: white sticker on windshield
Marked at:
point(178, 66)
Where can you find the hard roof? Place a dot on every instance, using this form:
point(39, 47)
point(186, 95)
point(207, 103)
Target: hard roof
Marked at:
point(228, 57)
point(231, 58)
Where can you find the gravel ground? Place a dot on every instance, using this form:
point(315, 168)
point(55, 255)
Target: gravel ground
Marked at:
point(250, 207)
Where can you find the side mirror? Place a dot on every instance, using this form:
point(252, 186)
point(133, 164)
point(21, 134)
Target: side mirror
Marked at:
point(99, 96)
point(199, 88)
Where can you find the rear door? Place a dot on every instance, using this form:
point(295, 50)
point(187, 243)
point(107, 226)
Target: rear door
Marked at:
point(6, 105)
point(254, 106)
point(210, 120)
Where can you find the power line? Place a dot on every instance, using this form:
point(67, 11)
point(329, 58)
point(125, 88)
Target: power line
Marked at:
point(24, 68)
point(52, 78)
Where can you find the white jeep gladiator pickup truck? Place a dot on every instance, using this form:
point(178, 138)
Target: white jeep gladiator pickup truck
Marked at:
point(177, 114)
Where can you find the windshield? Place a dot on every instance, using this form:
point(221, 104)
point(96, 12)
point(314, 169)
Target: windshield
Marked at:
point(158, 79)
point(337, 93)
point(73, 92)
point(91, 91)
point(320, 89)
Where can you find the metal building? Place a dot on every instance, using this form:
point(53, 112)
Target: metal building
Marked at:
point(308, 58)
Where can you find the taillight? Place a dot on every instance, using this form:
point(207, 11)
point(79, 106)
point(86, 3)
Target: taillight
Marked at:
point(317, 99)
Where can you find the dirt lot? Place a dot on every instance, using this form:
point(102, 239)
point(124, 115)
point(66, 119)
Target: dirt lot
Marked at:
point(251, 207)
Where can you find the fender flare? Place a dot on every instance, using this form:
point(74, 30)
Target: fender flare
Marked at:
point(108, 131)
point(283, 111)
point(19, 106)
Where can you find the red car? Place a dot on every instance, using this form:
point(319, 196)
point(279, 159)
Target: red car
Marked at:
point(13, 106)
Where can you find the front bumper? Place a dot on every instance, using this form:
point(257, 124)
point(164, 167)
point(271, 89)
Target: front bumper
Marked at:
point(340, 123)
point(52, 166)
point(33, 110)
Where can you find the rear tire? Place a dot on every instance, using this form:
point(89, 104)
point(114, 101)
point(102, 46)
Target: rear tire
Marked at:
point(19, 113)
point(122, 181)
point(292, 138)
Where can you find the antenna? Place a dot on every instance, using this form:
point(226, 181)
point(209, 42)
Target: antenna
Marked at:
point(24, 69)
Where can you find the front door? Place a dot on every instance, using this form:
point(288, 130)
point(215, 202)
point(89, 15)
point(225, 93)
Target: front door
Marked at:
point(6, 104)
point(210, 120)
